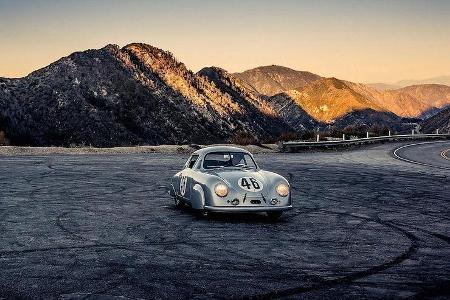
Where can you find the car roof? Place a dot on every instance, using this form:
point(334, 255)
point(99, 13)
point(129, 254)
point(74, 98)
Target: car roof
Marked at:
point(207, 150)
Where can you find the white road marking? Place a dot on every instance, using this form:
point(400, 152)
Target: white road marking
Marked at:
point(444, 154)
point(417, 162)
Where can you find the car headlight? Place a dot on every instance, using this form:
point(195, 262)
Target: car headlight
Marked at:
point(282, 189)
point(221, 190)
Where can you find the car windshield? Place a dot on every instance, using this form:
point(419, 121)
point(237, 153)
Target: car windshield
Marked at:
point(228, 160)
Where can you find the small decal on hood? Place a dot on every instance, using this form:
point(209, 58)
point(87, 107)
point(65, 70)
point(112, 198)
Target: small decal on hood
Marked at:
point(250, 184)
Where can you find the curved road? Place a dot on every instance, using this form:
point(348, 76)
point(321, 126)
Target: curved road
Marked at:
point(365, 225)
point(431, 154)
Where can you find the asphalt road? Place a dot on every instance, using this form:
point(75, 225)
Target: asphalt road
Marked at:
point(429, 154)
point(365, 225)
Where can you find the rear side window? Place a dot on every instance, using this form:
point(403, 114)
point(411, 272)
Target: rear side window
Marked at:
point(191, 161)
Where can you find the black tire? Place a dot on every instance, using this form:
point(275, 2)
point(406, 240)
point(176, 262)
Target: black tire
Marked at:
point(200, 213)
point(274, 215)
point(178, 203)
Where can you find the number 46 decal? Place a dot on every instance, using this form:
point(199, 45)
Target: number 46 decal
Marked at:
point(250, 184)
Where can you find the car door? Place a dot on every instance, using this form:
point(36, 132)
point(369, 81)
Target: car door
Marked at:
point(186, 184)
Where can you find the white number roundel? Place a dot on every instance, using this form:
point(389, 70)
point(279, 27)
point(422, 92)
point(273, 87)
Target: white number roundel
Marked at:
point(250, 184)
point(183, 183)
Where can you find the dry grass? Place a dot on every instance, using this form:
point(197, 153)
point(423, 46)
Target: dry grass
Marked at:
point(182, 149)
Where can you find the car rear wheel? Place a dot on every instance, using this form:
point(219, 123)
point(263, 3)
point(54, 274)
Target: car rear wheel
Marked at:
point(274, 215)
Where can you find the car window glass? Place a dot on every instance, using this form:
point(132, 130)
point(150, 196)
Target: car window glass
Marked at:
point(248, 161)
point(192, 161)
point(228, 159)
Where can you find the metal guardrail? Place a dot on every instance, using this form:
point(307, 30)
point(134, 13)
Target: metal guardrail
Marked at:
point(302, 145)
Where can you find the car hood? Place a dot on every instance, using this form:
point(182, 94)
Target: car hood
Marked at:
point(231, 176)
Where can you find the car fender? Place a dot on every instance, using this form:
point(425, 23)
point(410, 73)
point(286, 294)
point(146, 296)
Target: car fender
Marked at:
point(197, 197)
point(273, 178)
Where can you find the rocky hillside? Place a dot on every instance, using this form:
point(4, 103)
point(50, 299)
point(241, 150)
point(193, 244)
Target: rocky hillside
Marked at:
point(135, 95)
point(339, 104)
point(104, 97)
point(383, 86)
point(327, 99)
point(433, 96)
point(440, 121)
point(271, 80)
point(367, 119)
point(257, 110)
point(140, 94)
point(293, 113)
point(418, 101)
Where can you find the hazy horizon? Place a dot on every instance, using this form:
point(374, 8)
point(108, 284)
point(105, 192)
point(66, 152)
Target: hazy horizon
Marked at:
point(362, 41)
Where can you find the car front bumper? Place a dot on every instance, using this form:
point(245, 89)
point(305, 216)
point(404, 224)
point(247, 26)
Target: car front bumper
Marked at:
point(247, 208)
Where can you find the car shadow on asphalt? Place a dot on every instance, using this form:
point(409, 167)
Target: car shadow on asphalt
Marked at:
point(232, 218)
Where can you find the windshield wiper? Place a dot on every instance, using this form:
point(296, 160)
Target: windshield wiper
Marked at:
point(244, 166)
point(236, 166)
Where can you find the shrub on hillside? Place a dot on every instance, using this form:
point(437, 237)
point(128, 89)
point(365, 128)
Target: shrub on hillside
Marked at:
point(288, 136)
point(379, 130)
point(308, 135)
point(355, 131)
point(284, 137)
point(243, 138)
point(3, 140)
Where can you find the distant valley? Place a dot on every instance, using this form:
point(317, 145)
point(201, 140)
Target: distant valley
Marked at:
point(140, 94)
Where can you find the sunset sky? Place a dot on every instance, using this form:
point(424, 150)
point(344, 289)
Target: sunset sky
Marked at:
point(364, 41)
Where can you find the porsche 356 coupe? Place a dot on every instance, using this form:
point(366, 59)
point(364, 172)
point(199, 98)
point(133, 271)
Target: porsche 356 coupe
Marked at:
point(227, 179)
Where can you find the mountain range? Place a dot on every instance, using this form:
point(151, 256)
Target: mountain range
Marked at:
point(140, 94)
point(272, 80)
point(440, 122)
point(442, 80)
point(445, 80)
point(327, 99)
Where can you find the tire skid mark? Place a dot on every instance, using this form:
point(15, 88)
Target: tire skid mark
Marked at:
point(443, 287)
point(110, 192)
point(179, 240)
point(437, 235)
point(177, 220)
point(110, 285)
point(353, 276)
point(428, 291)
point(60, 224)
point(47, 249)
point(439, 289)
point(256, 261)
point(108, 246)
point(322, 283)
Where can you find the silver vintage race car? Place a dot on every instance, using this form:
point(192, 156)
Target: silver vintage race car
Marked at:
point(227, 179)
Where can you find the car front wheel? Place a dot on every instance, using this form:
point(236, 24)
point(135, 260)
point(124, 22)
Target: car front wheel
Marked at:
point(200, 213)
point(178, 202)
